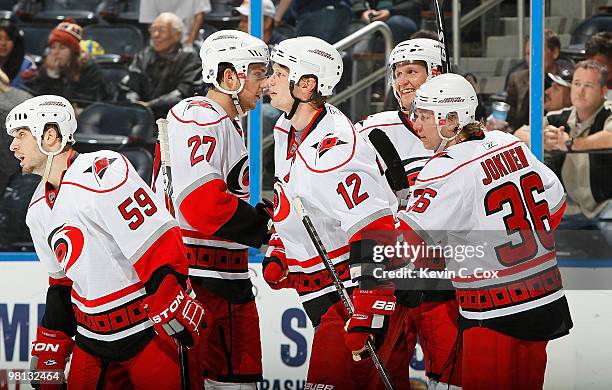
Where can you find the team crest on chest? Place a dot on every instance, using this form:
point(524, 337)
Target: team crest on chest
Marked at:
point(66, 242)
point(99, 167)
point(327, 143)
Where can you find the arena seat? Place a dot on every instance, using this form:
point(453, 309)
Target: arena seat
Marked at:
point(125, 40)
point(115, 125)
point(113, 70)
point(35, 37)
point(141, 159)
point(82, 17)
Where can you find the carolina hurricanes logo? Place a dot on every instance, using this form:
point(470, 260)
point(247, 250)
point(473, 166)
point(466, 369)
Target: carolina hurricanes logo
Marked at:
point(327, 143)
point(67, 242)
point(197, 103)
point(99, 167)
point(238, 178)
point(282, 207)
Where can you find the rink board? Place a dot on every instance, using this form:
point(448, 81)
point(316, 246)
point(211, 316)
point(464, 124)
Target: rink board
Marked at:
point(580, 360)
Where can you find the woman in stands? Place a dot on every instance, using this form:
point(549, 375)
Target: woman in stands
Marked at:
point(12, 53)
point(64, 71)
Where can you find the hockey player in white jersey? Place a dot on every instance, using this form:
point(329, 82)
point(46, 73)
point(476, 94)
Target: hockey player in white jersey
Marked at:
point(487, 191)
point(210, 167)
point(117, 269)
point(434, 313)
point(321, 159)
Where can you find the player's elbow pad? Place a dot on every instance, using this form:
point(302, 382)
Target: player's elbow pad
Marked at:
point(363, 265)
point(59, 313)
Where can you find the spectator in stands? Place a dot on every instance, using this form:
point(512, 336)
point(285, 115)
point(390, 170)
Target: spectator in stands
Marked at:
point(270, 35)
point(191, 12)
point(9, 98)
point(163, 73)
point(64, 72)
point(12, 53)
point(557, 88)
point(599, 48)
point(518, 83)
point(402, 17)
point(325, 19)
point(587, 125)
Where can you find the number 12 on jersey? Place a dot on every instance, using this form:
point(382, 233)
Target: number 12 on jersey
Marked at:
point(353, 180)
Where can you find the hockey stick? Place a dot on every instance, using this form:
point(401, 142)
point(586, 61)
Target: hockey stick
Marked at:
point(316, 240)
point(164, 153)
point(446, 64)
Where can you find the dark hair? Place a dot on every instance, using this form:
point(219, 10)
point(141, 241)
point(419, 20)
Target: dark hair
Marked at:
point(472, 130)
point(600, 43)
point(223, 66)
point(12, 65)
point(550, 38)
point(425, 34)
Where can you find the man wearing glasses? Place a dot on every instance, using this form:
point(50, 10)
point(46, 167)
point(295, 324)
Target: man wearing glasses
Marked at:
point(164, 72)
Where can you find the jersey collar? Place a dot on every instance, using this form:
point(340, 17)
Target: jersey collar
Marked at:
point(294, 143)
point(407, 123)
point(52, 193)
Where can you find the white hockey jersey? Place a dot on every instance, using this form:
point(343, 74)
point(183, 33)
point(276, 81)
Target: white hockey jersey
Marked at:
point(206, 145)
point(333, 170)
point(493, 196)
point(397, 126)
point(104, 229)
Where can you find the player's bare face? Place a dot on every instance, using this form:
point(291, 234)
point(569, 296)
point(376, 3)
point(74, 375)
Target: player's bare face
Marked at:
point(587, 94)
point(408, 78)
point(25, 148)
point(425, 126)
point(253, 86)
point(278, 88)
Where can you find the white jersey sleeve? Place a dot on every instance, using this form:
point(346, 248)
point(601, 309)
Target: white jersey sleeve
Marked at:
point(127, 209)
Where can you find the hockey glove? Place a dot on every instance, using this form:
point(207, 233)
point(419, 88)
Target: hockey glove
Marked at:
point(175, 311)
point(50, 351)
point(275, 270)
point(370, 319)
point(265, 208)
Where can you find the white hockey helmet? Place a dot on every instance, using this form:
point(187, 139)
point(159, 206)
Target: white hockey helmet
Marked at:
point(418, 49)
point(446, 94)
point(310, 56)
point(237, 48)
point(37, 112)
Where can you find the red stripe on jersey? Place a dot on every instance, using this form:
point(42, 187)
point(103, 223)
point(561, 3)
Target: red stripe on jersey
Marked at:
point(167, 250)
point(512, 270)
point(108, 298)
point(380, 230)
point(101, 191)
point(281, 129)
point(36, 201)
point(201, 236)
point(65, 281)
point(380, 125)
point(555, 219)
point(317, 259)
point(419, 180)
point(195, 122)
point(209, 206)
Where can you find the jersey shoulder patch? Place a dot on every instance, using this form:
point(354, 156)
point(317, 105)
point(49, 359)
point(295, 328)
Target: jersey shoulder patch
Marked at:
point(198, 111)
point(98, 172)
point(331, 145)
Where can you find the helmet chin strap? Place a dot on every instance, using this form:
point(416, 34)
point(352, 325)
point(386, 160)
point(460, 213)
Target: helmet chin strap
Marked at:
point(444, 141)
point(296, 101)
point(50, 155)
point(234, 96)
